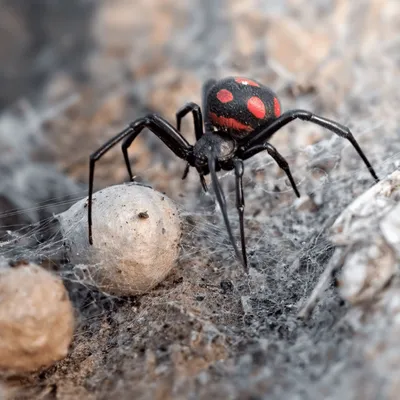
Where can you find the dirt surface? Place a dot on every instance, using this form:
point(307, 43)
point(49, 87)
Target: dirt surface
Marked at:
point(209, 330)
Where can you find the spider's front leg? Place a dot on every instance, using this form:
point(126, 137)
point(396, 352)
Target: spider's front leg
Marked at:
point(239, 170)
point(219, 194)
point(157, 125)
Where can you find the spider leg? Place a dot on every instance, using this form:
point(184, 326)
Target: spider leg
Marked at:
point(263, 134)
point(203, 183)
point(219, 194)
point(239, 169)
point(279, 159)
point(197, 118)
point(161, 128)
point(186, 171)
point(93, 158)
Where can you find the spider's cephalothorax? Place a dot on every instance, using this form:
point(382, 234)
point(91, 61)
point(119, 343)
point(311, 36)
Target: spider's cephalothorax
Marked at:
point(240, 117)
point(239, 106)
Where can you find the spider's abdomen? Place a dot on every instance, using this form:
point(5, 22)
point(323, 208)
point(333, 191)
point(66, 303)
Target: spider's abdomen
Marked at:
point(240, 105)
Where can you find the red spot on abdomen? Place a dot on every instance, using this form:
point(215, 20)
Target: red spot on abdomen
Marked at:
point(229, 123)
point(256, 106)
point(277, 107)
point(245, 81)
point(224, 96)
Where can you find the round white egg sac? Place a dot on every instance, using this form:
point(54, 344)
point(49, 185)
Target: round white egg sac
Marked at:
point(136, 238)
point(36, 319)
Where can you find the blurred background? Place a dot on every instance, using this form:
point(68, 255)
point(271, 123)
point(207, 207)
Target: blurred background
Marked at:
point(74, 73)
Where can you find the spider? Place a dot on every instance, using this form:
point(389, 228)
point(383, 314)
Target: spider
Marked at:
point(240, 116)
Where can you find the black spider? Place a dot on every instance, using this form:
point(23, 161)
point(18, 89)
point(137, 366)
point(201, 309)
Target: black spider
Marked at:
point(241, 115)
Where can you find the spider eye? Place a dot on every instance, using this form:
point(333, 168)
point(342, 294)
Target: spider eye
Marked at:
point(201, 161)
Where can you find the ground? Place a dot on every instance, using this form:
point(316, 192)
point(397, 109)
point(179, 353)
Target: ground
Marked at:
point(209, 330)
